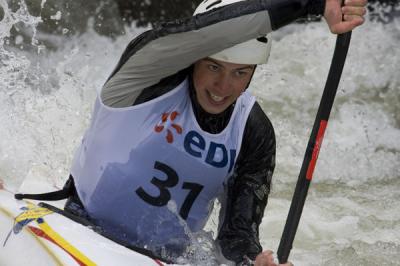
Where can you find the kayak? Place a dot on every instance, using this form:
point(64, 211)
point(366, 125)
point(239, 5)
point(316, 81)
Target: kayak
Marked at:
point(33, 233)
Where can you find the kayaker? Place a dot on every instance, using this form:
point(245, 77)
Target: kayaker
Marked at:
point(174, 128)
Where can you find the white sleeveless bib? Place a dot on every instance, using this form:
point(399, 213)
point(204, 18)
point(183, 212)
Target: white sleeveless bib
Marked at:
point(143, 170)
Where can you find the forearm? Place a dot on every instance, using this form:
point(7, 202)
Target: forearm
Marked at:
point(171, 47)
point(239, 234)
point(248, 190)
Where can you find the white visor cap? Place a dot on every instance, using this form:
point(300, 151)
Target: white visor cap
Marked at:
point(251, 52)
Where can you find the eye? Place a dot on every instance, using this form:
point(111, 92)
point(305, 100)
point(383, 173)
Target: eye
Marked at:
point(213, 67)
point(241, 73)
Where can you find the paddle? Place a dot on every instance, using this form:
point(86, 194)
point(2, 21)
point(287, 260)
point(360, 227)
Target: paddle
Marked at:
point(314, 145)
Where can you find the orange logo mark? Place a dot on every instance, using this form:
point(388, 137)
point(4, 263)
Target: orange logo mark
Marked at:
point(164, 119)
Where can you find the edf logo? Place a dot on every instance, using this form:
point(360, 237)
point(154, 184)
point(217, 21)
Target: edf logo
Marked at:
point(215, 154)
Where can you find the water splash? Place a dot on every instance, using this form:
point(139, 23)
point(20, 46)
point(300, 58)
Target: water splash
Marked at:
point(20, 16)
point(45, 93)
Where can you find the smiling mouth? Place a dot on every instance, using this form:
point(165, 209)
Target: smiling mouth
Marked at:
point(216, 98)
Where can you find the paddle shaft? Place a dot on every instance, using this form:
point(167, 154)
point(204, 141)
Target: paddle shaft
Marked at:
point(314, 144)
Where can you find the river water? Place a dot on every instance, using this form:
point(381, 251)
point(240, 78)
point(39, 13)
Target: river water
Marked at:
point(352, 213)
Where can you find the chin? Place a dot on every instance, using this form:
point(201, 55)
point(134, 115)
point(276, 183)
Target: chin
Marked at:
point(211, 108)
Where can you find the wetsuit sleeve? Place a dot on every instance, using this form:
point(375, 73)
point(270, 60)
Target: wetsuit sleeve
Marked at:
point(248, 190)
point(171, 47)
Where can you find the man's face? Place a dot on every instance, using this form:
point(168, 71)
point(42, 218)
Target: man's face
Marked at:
point(218, 84)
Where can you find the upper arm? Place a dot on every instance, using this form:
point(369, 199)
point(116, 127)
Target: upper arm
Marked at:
point(171, 47)
point(257, 155)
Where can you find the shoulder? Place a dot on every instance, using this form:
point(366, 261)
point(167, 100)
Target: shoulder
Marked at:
point(257, 154)
point(258, 124)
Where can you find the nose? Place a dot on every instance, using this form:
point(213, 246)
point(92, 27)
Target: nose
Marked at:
point(222, 84)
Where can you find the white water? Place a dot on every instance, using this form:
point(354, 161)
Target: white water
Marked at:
point(352, 213)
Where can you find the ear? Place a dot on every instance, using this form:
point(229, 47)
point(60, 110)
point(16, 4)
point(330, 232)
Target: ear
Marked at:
point(252, 74)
